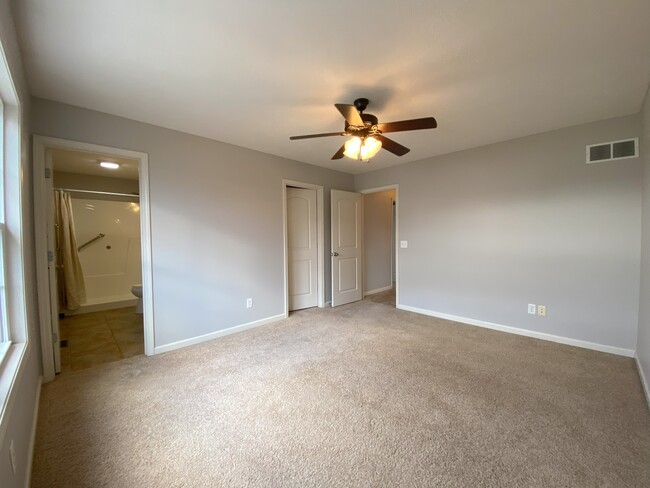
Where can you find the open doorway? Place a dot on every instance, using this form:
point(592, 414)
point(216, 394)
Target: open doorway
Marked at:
point(97, 257)
point(379, 242)
point(93, 254)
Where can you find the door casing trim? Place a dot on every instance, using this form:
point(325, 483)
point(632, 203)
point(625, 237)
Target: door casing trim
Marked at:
point(320, 216)
point(40, 145)
point(377, 190)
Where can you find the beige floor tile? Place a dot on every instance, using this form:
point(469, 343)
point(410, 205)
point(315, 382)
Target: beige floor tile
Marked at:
point(129, 337)
point(119, 313)
point(87, 319)
point(125, 324)
point(100, 337)
point(90, 339)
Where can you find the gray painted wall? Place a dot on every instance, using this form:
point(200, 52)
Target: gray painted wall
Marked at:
point(492, 229)
point(377, 238)
point(18, 418)
point(643, 342)
point(216, 214)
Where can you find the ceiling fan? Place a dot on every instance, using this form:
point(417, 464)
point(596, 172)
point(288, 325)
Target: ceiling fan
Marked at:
point(366, 132)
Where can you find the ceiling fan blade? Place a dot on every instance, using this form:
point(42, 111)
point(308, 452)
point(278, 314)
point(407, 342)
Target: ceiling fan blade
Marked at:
point(392, 146)
point(311, 136)
point(413, 124)
point(339, 153)
point(350, 113)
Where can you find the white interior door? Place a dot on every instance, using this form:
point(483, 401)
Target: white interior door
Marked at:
point(302, 248)
point(51, 262)
point(346, 247)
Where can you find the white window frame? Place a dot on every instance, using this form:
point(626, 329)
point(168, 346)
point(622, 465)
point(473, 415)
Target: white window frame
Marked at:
point(5, 334)
point(16, 347)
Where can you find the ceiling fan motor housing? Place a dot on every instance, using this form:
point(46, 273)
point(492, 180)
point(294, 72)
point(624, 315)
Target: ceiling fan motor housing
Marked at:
point(361, 104)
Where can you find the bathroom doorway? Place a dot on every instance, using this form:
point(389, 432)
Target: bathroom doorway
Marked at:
point(95, 290)
point(100, 306)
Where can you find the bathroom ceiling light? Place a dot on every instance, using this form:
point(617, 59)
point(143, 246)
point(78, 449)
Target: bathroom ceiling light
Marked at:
point(108, 165)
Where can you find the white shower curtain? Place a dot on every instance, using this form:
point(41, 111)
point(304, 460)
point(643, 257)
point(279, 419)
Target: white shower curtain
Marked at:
point(70, 278)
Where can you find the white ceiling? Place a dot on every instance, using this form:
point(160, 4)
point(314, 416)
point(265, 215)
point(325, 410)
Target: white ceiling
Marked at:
point(253, 73)
point(86, 163)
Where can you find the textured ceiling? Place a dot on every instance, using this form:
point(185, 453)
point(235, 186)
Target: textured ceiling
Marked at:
point(253, 73)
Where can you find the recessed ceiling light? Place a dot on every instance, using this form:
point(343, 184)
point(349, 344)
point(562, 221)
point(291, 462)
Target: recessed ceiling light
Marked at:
point(109, 165)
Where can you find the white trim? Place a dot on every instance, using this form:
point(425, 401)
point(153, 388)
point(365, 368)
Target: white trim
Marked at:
point(32, 436)
point(40, 145)
point(378, 290)
point(644, 381)
point(523, 332)
point(379, 189)
point(320, 216)
point(219, 333)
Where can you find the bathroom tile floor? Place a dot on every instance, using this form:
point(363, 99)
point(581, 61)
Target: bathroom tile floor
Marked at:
point(100, 337)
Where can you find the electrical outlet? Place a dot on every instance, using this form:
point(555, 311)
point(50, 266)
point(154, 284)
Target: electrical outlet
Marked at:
point(249, 303)
point(12, 456)
point(403, 244)
point(532, 308)
point(541, 310)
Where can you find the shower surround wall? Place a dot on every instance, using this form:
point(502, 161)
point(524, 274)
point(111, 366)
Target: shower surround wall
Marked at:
point(113, 264)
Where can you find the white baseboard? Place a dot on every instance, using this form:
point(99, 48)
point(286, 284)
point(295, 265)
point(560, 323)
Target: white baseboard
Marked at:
point(523, 332)
point(378, 290)
point(218, 333)
point(644, 380)
point(32, 436)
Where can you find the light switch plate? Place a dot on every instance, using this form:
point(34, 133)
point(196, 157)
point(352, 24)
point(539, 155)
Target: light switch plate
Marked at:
point(532, 309)
point(403, 244)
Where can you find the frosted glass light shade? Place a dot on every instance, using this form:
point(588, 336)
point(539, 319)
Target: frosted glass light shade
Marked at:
point(109, 165)
point(356, 148)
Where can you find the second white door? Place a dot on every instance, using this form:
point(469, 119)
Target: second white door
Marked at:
point(302, 247)
point(346, 247)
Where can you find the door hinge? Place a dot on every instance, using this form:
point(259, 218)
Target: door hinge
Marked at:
point(48, 173)
point(55, 337)
point(50, 256)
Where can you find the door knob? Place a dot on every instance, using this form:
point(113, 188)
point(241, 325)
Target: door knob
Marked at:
point(335, 254)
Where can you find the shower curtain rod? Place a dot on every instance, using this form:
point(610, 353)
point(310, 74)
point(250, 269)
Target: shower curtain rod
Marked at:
point(133, 195)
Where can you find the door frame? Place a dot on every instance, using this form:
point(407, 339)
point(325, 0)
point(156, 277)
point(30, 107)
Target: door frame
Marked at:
point(320, 226)
point(377, 190)
point(42, 204)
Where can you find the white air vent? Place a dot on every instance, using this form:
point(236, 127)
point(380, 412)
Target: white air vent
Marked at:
point(608, 151)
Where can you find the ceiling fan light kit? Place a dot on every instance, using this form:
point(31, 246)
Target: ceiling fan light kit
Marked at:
point(365, 132)
point(362, 149)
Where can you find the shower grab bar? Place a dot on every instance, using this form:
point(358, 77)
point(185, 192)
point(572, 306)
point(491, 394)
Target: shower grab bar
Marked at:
point(96, 238)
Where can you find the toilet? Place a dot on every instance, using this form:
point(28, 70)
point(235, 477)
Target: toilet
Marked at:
point(137, 291)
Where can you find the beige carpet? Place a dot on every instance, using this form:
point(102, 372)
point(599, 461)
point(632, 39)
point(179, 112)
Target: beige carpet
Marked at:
point(358, 396)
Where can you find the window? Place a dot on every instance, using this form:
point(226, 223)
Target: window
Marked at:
point(5, 338)
point(13, 312)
